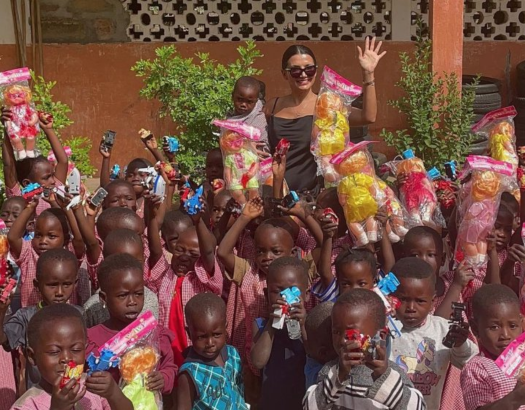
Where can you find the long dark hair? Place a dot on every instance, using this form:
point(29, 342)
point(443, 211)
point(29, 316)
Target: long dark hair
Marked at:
point(294, 50)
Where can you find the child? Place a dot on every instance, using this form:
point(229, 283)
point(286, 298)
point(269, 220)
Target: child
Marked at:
point(11, 209)
point(356, 381)
point(21, 173)
point(51, 232)
point(282, 358)
point(57, 335)
point(211, 365)
point(175, 222)
point(193, 269)
point(319, 346)
point(118, 242)
point(496, 322)
point(122, 194)
point(420, 350)
point(56, 275)
point(122, 291)
point(354, 268)
point(248, 108)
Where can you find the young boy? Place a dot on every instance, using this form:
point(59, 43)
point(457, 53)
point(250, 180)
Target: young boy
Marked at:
point(248, 108)
point(120, 241)
point(319, 346)
point(496, 322)
point(211, 365)
point(355, 380)
point(56, 275)
point(279, 353)
point(57, 335)
point(420, 351)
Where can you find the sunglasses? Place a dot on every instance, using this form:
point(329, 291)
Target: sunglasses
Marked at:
point(297, 72)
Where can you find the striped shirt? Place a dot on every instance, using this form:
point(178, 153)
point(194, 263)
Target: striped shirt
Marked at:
point(393, 390)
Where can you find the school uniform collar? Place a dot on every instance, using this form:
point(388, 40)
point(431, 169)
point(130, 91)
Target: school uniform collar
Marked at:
point(193, 357)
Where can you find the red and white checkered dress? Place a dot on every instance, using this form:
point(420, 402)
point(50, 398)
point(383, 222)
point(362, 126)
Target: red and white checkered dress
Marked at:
point(162, 281)
point(482, 383)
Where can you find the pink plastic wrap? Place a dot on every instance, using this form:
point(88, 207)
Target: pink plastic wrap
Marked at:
point(241, 163)
point(479, 201)
point(16, 95)
point(512, 360)
point(331, 132)
point(359, 192)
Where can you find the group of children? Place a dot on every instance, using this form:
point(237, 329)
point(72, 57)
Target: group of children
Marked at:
point(215, 281)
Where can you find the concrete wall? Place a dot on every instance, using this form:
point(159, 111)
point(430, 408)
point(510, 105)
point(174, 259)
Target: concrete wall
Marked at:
point(96, 81)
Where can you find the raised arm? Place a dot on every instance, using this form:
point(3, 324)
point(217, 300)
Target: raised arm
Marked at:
point(104, 167)
point(151, 209)
point(87, 231)
point(207, 241)
point(46, 124)
point(252, 210)
point(16, 233)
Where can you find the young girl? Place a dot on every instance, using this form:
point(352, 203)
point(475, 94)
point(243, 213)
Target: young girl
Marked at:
point(122, 291)
point(52, 231)
point(39, 170)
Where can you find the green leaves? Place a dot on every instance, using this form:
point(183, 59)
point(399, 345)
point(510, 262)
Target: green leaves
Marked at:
point(439, 116)
point(194, 91)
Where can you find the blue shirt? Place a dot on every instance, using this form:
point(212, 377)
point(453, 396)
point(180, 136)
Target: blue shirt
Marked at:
point(218, 388)
point(311, 371)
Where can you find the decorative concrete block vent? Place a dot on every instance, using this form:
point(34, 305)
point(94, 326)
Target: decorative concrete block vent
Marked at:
point(263, 20)
point(484, 20)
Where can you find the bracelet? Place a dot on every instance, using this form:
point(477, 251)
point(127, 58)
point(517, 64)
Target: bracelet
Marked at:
point(369, 84)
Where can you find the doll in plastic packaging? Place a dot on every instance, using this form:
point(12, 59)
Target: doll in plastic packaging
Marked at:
point(498, 127)
point(241, 163)
point(331, 132)
point(479, 212)
point(135, 365)
point(395, 228)
point(17, 96)
point(359, 193)
point(417, 193)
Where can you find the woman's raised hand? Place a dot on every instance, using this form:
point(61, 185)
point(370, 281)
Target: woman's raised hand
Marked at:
point(369, 58)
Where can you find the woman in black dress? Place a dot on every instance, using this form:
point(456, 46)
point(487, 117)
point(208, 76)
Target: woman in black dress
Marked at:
point(291, 116)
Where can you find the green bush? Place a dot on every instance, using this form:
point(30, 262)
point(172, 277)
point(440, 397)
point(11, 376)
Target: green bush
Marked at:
point(193, 94)
point(438, 114)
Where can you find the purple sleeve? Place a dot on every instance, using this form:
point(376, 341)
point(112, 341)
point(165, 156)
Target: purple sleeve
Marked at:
point(167, 366)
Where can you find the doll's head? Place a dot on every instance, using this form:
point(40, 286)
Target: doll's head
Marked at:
point(17, 95)
point(485, 185)
point(327, 105)
point(356, 162)
point(504, 127)
point(411, 165)
point(231, 141)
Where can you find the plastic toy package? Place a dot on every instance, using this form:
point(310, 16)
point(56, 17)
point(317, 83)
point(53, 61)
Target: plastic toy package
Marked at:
point(479, 197)
point(331, 132)
point(512, 360)
point(290, 296)
point(16, 95)
point(135, 349)
point(241, 163)
point(498, 127)
point(395, 227)
point(359, 192)
point(417, 193)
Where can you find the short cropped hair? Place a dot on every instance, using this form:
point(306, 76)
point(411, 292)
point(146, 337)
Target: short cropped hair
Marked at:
point(318, 324)
point(360, 297)
point(248, 82)
point(43, 319)
point(348, 256)
point(414, 234)
point(116, 263)
point(414, 268)
point(202, 304)
point(59, 214)
point(488, 296)
point(53, 256)
point(115, 218)
point(289, 262)
point(175, 216)
point(119, 236)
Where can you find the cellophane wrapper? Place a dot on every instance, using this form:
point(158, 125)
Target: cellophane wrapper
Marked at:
point(16, 95)
point(138, 348)
point(360, 194)
point(331, 131)
point(512, 360)
point(241, 163)
point(478, 202)
point(417, 195)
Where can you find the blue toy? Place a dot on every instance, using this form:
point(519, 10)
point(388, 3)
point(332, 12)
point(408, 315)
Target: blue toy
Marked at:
point(388, 284)
point(408, 154)
point(451, 169)
point(291, 295)
point(173, 143)
point(114, 172)
point(106, 361)
point(433, 174)
point(193, 204)
point(31, 190)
